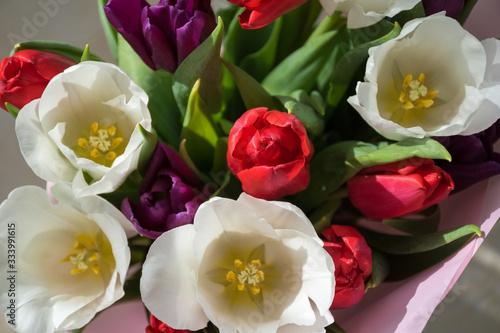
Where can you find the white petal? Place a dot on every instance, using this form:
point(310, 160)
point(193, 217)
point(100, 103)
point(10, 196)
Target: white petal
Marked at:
point(38, 150)
point(168, 280)
point(219, 215)
point(318, 280)
point(281, 215)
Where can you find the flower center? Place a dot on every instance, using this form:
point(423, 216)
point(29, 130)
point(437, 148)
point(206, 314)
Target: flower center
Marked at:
point(85, 256)
point(248, 274)
point(415, 94)
point(100, 144)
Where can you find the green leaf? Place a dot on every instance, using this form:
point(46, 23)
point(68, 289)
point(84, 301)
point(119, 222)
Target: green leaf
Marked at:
point(396, 244)
point(408, 15)
point(251, 91)
point(86, 54)
point(187, 159)
point(260, 63)
point(380, 270)
point(468, 6)
point(147, 149)
point(345, 69)
point(203, 63)
point(321, 217)
point(427, 223)
point(301, 68)
point(220, 159)
point(308, 110)
point(71, 52)
point(405, 149)
point(404, 266)
point(198, 131)
point(158, 86)
point(334, 328)
point(14, 111)
point(297, 27)
point(110, 33)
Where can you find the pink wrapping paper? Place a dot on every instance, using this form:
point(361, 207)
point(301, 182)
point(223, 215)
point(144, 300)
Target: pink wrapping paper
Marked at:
point(401, 307)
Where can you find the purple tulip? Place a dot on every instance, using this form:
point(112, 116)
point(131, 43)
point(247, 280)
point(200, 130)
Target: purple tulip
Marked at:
point(163, 35)
point(473, 158)
point(168, 195)
point(453, 8)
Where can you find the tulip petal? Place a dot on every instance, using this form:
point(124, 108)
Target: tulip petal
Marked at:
point(168, 280)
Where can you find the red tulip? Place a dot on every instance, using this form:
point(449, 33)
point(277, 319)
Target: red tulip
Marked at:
point(157, 326)
point(353, 263)
point(260, 13)
point(399, 188)
point(24, 76)
point(269, 152)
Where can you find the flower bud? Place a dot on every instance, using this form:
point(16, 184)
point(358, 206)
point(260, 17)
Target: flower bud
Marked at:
point(399, 188)
point(353, 263)
point(24, 76)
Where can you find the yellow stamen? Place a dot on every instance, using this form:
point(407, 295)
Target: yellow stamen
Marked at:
point(415, 94)
point(230, 276)
point(100, 144)
point(86, 255)
point(248, 274)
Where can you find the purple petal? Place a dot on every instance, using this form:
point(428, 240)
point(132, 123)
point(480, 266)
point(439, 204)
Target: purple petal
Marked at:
point(125, 17)
point(453, 8)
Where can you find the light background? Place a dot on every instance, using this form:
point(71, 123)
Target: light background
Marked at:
point(473, 305)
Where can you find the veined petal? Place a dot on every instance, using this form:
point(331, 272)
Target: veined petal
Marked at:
point(281, 215)
point(168, 281)
point(38, 150)
point(69, 300)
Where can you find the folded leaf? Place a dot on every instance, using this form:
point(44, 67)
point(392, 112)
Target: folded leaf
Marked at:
point(110, 33)
point(203, 63)
point(158, 86)
point(251, 91)
point(69, 51)
point(396, 244)
point(199, 131)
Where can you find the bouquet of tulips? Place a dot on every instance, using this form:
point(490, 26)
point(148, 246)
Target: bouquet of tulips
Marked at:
point(244, 165)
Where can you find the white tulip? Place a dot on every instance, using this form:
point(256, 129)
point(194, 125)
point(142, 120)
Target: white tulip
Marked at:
point(362, 13)
point(70, 259)
point(434, 79)
point(85, 124)
point(247, 266)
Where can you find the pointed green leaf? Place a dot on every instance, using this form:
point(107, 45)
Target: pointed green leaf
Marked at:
point(297, 27)
point(147, 149)
point(260, 63)
point(408, 148)
point(404, 266)
point(198, 131)
point(14, 111)
point(251, 91)
point(334, 328)
point(86, 54)
point(380, 270)
point(304, 108)
point(158, 86)
point(468, 6)
point(110, 33)
point(395, 244)
point(71, 52)
point(345, 69)
point(321, 217)
point(203, 63)
point(408, 15)
point(424, 222)
point(301, 68)
point(187, 159)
